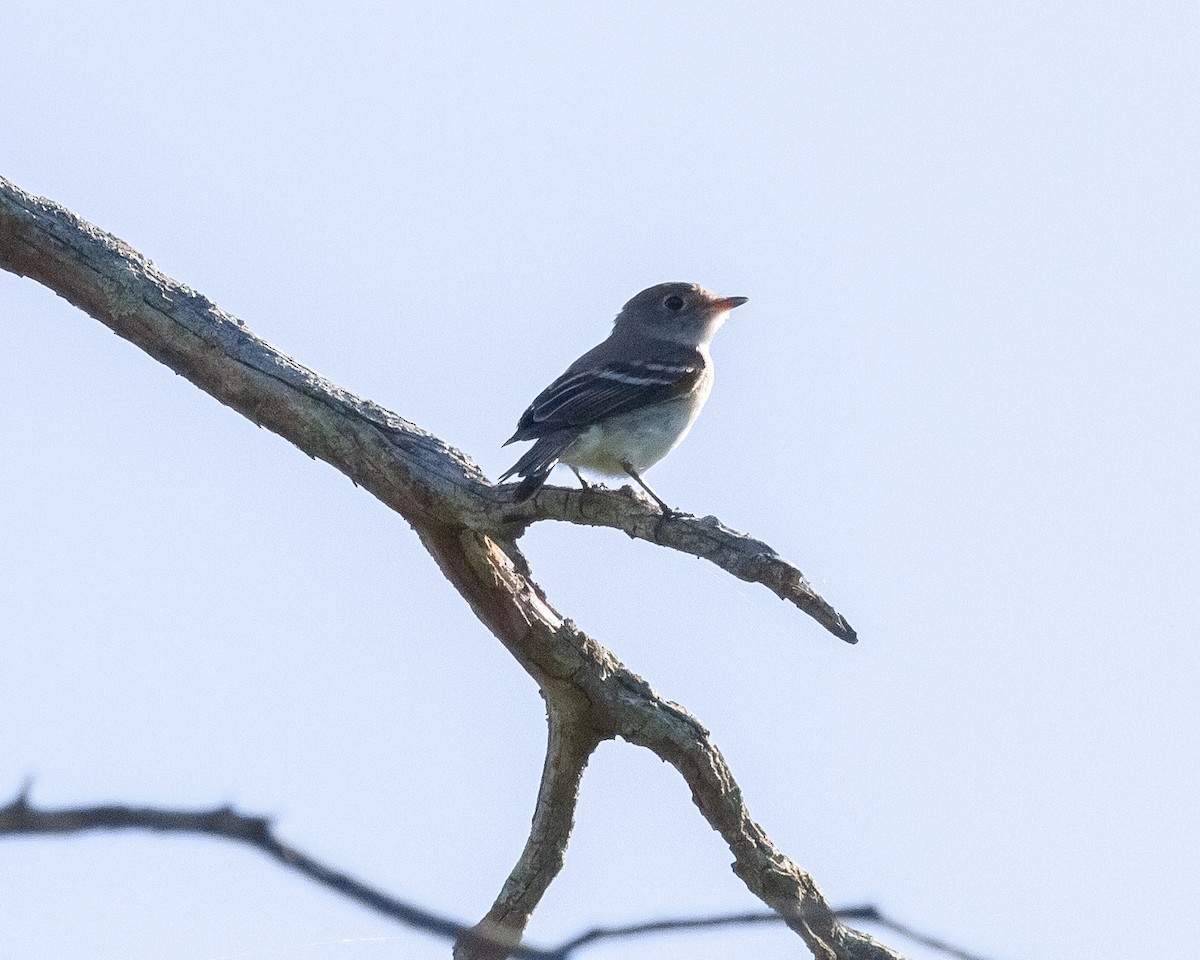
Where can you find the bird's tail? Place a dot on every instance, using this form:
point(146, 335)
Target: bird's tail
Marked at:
point(537, 462)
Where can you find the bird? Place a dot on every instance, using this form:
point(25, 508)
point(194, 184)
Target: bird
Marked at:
point(631, 399)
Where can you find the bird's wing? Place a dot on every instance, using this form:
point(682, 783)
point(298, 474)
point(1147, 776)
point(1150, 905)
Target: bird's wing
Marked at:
point(587, 393)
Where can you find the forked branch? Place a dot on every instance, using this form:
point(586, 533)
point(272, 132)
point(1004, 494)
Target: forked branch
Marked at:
point(470, 528)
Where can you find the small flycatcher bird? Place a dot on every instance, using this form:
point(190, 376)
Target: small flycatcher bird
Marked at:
point(629, 401)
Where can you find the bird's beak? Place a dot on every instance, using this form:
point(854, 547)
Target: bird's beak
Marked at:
point(728, 303)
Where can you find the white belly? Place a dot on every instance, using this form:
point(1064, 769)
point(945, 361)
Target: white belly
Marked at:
point(641, 437)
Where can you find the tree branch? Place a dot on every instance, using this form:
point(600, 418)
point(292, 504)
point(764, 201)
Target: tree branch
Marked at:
point(570, 745)
point(468, 526)
point(736, 553)
point(20, 818)
point(409, 469)
point(865, 914)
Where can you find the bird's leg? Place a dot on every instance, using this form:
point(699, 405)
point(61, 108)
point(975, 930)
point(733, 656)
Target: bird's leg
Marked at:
point(628, 468)
point(583, 483)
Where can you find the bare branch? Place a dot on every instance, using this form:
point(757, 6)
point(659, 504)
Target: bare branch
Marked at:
point(570, 746)
point(468, 526)
point(705, 537)
point(866, 914)
point(20, 818)
point(409, 469)
point(870, 914)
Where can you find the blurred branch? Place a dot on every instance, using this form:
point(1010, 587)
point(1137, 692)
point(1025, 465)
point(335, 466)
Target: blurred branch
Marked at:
point(20, 818)
point(469, 527)
point(862, 914)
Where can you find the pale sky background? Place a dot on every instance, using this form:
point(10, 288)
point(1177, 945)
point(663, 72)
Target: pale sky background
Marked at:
point(963, 398)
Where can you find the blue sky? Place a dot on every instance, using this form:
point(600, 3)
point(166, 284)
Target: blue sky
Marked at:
point(962, 398)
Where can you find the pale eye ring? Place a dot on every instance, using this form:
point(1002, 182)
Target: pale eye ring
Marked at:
point(673, 302)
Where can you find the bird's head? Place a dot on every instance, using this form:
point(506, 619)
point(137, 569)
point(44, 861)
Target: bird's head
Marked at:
point(684, 312)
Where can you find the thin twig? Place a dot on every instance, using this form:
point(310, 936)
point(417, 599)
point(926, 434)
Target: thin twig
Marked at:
point(862, 914)
point(20, 818)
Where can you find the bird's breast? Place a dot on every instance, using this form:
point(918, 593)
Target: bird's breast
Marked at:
point(640, 437)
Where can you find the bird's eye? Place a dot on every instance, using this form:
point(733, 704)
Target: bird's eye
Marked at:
point(673, 302)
